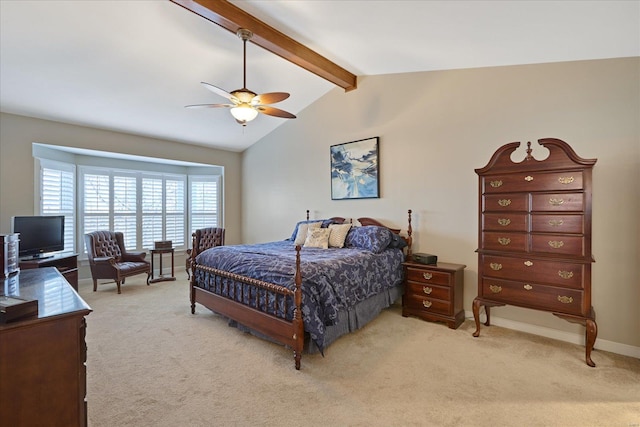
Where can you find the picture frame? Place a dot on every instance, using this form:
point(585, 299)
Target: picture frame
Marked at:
point(354, 169)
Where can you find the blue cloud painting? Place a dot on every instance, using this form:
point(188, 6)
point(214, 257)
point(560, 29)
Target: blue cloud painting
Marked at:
point(354, 170)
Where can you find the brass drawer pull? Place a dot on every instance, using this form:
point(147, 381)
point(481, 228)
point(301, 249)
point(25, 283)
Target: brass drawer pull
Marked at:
point(504, 202)
point(504, 241)
point(495, 288)
point(528, 287)
point(427, 290)
point(495, 266)
point(528, 178)
point(565, 179)
point(565, 274)
point(565, 300)
point(426, 303)
point(496, 184)
point(528, 263)
point(427, 276)
point(556, 243)
point(556, 222)
point(504, 221)
point(556, 202)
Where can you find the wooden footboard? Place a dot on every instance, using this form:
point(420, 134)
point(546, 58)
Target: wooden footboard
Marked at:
point(262, 316)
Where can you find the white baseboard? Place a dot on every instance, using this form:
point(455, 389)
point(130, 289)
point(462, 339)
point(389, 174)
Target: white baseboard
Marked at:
point(613, 347)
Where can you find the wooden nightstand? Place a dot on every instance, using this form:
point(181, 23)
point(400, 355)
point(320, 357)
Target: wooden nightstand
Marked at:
point(434, 292)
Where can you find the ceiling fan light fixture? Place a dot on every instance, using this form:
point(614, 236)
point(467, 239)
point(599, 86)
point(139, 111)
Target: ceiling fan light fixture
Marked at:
point(244, 113)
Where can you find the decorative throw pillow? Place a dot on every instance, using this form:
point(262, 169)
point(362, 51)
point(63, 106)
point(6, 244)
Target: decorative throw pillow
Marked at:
point(370, 237)
point(317, 238)
point(338, 235)
point(295, 229)
point(301, 234)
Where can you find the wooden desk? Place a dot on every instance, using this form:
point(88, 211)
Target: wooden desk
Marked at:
point(161, 276)
point(67, 264)
point(42, 359)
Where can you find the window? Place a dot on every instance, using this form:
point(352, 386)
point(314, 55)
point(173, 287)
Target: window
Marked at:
point(57, 196)
point(148, 199)
point(204, 196)
point(145, 207)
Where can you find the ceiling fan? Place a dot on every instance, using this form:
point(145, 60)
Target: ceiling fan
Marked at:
point(245, 104)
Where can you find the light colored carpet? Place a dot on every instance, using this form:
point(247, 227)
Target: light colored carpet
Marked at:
point(152, 363)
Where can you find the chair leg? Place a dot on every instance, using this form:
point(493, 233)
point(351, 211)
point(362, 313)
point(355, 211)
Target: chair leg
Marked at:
point(118, 284)
point(95, 285)
point(148, 277)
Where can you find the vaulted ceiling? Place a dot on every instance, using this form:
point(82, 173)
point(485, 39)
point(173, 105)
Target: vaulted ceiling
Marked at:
point(132, 66)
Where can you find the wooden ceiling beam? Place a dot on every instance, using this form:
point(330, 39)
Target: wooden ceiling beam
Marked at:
point(231, 17)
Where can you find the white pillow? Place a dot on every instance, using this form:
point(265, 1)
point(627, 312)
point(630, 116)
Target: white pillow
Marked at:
point(301, 235)
point(338, 235)
point(317, 238)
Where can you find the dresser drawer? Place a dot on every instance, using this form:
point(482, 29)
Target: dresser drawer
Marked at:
point(427, 305)
point(564, 274)
point(541, 223)
point(557, 244)
point(506, 202)
point(428, 276)
point(431, 291)
point(553, 181)
point(533, 295)
point(558, 202)
point(504, 222)
point(510, 242)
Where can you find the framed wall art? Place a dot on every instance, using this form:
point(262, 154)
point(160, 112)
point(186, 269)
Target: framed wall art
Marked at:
point(354, 170)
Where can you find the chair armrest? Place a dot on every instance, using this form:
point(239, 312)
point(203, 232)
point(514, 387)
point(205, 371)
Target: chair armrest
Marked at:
point(134, 256)
point(104, 260)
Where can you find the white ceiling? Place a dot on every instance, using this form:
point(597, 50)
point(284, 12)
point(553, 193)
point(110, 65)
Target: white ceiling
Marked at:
point(132, 66)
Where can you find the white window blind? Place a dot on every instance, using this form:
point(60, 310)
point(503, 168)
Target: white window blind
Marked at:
point(145, 207)
point(57, 196)
point(204, 194)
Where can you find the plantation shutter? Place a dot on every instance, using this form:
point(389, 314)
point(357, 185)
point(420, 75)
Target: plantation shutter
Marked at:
point(57, 196)
point(204, 197)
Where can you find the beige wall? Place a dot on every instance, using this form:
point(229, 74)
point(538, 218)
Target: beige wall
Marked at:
point(17, 133)
point(435, 128)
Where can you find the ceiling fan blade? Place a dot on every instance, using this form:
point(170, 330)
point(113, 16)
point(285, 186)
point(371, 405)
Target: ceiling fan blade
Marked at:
point(269, 98)
point(217, 90)
point(209, 106)
point(272, 111)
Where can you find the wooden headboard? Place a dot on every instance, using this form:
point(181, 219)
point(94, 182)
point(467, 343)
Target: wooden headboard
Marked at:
point(370, 221)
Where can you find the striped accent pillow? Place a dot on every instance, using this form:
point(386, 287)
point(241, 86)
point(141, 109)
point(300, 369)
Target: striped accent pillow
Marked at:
point(338, 235)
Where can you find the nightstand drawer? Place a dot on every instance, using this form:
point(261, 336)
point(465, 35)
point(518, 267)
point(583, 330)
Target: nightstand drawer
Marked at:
point(431, 291)
point(428, 276)
point(427, 305)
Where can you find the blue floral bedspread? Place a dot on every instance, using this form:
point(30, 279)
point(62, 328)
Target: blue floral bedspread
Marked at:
point(332, 279)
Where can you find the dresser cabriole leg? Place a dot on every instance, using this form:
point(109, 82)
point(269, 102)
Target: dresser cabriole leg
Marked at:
point(476, 316)
point(591, 333)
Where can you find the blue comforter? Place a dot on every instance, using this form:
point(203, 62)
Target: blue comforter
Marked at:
point(332, 279)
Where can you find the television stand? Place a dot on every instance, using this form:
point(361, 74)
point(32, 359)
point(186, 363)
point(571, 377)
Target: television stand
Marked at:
point(67, 265)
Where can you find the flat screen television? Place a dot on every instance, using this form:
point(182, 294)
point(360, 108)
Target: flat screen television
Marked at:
point(39, 235)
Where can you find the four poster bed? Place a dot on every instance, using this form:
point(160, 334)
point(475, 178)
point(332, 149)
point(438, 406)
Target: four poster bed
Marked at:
point(330, 278)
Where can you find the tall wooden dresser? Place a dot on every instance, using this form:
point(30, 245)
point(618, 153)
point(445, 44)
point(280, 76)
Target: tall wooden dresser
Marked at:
point(43, 358)
point(534, 235)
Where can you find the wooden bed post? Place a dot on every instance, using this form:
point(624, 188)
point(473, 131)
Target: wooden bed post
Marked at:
point(409, 238)
point(298, 325)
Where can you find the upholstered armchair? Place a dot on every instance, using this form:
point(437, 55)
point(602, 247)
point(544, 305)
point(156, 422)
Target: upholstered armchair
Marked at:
point(109, 259)
point(203, 238)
